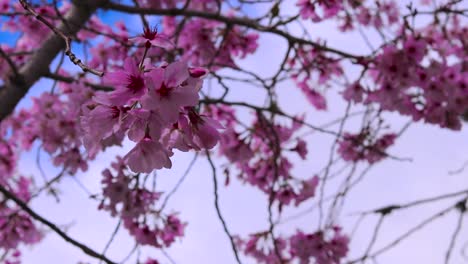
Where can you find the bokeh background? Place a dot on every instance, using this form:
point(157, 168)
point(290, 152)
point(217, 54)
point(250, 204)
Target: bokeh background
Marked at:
point(434, 152)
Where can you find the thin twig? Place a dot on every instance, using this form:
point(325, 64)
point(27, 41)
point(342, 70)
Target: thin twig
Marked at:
point(65, 38)
point(218, 210)
point(114, 233)
point(181, 180)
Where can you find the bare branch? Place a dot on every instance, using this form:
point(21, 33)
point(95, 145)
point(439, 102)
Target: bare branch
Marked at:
point(218, 210)
point(246, 22)
point(88, 251)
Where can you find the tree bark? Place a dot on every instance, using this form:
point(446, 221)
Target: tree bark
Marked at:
point(16, 87)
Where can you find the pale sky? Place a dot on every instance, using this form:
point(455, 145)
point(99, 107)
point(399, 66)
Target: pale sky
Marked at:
point(434, 153)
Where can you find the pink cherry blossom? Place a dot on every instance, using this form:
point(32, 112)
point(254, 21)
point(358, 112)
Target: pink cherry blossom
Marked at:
point(151, 37)
point(151, 261)
point(129, 83)
point(170, 91)
point(148, 155)
point(307, 190)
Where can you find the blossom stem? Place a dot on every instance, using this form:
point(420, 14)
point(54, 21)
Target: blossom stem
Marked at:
point(143, 58)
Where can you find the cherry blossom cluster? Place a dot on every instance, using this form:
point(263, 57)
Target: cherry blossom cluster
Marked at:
point(149, 97)
point(311, 68)
point(381, 14)
point(151, 261)
point(16, 225)
point(125, 196)
point(198, 43)
point(413, 81)
point(365, 146)
point(351, 14)
point(199, 40)
point(32, 32)
point(13, 257)
point(155, 106)
point(57, 127)
point(204, 5)
point(329, 246)
point(318, 10)
point(260, 155)
point(7, 160)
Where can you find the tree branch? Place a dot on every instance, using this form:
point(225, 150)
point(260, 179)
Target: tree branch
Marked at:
point(38, 65)
point(246, 22)
point(88, 251)
point(64, 36)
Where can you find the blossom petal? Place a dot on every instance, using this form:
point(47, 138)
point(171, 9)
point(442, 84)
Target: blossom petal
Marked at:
point(176, 73)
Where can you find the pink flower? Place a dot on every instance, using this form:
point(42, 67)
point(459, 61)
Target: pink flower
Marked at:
point(307, 10)
point(144, 122)
point(354, 93)
point(314, 97)
point(17, 227)
point(158, 235)
point(8, 160)
point(4, 5)
point(176, 137)
point(233, 148)
point(204, 130)
point(151, 37)
point(285, 195)
point(170, 90)
point(301, 148)
point(115, 190)
point(415, 48)
point(98, 124)
point(377, 151)
point(129, 83)
point(260, 246)
point(308, 190)
point(147, 156)
point(316, 246)
point(143, 234)
point(151, 261)
point(362, 146)
point(173, 228)
point(138, 202)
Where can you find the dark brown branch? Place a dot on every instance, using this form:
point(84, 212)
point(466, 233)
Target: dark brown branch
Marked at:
point(273, 110)
point(88, 251)
point(246, 22)
point(404, 235)
point(12, 65)
point(66, 79)
point(390, 208)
